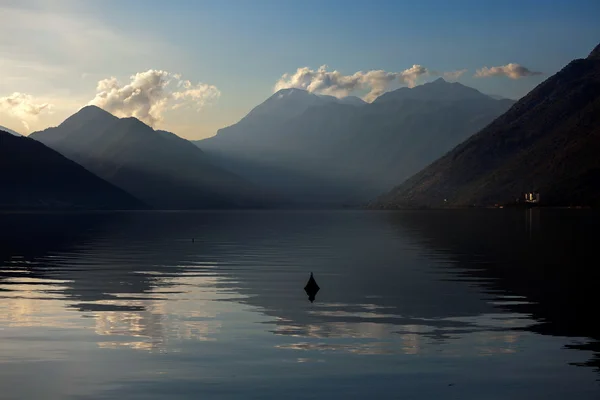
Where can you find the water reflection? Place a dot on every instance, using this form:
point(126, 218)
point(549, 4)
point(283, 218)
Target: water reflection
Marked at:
point(441, 288)
point(535, 261)
point(154, 323)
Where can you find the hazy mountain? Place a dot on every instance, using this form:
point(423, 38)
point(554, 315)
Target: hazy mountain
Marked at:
point(4, 129)
point(548, 141)
point(438, 90)
point(157, 167)
point(276, 110)
point(316, 150)
point(33, 176)
point(352, 100)
point(497, 97)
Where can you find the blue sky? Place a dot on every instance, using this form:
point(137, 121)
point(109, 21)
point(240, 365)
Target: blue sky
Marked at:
point(54, 53)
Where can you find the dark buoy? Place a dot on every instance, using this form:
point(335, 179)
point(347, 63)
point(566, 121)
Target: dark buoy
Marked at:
point(311, 288)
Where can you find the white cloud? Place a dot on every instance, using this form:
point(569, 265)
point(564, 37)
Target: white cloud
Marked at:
point(512, 71)
point(149, 94)
point(334, 83)
point(24, 107)
point(454, 75)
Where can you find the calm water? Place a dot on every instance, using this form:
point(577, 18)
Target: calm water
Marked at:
point(490, 304)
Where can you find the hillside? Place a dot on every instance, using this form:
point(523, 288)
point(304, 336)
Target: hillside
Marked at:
point(158, 167)
point(547, 142)
point(14, 133)
point(33, 176)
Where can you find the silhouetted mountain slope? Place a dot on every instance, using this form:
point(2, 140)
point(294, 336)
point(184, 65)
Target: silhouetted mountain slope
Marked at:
point(331, 152)
point(158, 167)
point(595, 54)
point(549, 142)
point(33, 176)
point(2, 128)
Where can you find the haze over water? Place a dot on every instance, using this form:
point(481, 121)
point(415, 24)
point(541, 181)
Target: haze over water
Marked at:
point(474, 304)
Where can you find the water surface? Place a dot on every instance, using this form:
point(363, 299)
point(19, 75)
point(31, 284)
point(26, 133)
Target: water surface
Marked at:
point(474, 304)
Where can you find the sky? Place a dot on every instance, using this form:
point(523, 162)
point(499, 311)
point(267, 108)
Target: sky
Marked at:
point(192, 67)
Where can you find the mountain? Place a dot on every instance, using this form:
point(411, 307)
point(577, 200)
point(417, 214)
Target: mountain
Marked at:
point(595, 54)
point(497, 97)
point(547, 142)
point(320, 150)
point(351, 100)
point(438, 90)
point(33, 176)
point(157, 167)
point(3, 129)
point(281, 107)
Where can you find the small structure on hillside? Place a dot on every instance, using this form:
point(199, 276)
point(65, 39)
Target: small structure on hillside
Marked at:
point(532, 197)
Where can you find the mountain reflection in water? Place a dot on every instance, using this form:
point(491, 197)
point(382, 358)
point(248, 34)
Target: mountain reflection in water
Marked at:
point(496, 298)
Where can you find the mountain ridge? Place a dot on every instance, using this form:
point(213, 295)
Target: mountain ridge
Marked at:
point(159, 167)
point(336, 153)
point(546, 142)
point(5, 129)
point(437, 90)
point(33, 176)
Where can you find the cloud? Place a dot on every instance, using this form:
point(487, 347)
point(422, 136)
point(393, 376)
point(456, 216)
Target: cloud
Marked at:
point(512, 71)
point(23, 106)
point(149, 94)
point(334, 83)
point(454, 75)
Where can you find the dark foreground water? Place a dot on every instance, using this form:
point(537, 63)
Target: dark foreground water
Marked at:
point(489, 304)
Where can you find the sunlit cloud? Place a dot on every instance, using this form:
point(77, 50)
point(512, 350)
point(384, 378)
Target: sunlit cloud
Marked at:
point(512, 71)
point(336, 84)
point(149, 94)
point(24, 107)
point(60, 53)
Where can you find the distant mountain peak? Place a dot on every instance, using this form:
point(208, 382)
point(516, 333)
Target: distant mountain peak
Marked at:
point(438, 90)
point(441, 82)
point(87, 113)
point(290, 92)
point(92, 109)
point(296, 94)
point(281, 105)
point(595, 54)
point(134, 122)
point(161, 169)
